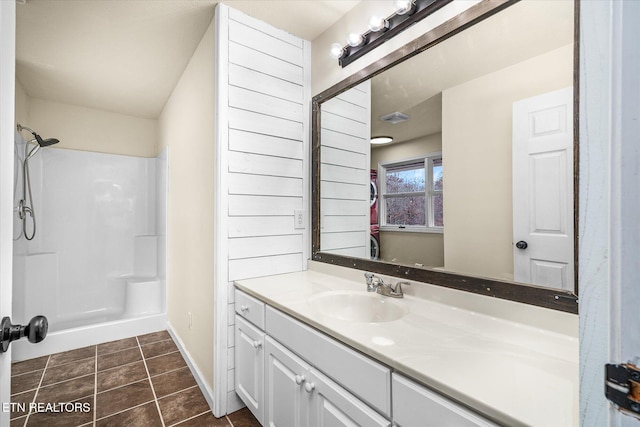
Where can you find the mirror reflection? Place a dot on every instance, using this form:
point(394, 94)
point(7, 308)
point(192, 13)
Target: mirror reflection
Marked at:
point(478, 176)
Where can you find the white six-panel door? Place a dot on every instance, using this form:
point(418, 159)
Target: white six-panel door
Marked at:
point(543, 190)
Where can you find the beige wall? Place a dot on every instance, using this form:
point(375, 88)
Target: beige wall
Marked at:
point(22, 105)
point(327, 72)
point(90, 129)
point(477, 135)
point(186, 127)
point(409, 248)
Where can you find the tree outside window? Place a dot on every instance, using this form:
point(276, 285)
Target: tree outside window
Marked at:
point(412, 197)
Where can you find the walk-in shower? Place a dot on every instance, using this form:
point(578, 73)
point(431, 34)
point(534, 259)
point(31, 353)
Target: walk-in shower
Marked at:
point(96, 266)
point(25, 205)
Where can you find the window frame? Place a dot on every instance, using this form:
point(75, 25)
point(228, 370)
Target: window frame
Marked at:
point(429, 193)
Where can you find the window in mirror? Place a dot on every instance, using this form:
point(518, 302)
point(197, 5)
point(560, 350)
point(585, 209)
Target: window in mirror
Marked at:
point(411, 193)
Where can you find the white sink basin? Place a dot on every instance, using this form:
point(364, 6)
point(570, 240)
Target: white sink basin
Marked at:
point(358, 306)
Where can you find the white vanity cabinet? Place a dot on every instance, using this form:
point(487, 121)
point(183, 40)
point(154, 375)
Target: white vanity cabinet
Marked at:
point(416, 405)
point(249, 363)
point(286, 401)
point(298, 395)
point(249, 352)
point(291, 375)
point(284, 387)
point(333, 406)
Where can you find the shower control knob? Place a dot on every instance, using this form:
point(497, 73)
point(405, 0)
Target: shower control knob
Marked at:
point(35, 331)
point(521, 244)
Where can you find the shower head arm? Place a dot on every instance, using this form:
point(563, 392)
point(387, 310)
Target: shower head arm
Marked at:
point(38, 138)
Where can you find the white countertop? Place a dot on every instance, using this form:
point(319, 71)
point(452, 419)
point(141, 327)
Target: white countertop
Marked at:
point(513, 372)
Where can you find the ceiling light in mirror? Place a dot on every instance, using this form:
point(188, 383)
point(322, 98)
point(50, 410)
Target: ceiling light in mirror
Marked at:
point(380, 140)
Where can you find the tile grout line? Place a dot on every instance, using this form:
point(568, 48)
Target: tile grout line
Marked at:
point(35, 396)
point(163, 354)
point(179, 391)
point(95, 388)
point(189, 419)
point(155, 398)
point(124, 410)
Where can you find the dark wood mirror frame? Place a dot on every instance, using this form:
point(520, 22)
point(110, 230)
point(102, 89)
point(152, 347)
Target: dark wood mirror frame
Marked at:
point(536, 295)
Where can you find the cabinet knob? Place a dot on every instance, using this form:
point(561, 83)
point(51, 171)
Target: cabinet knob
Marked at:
point(309, 387)
point(257, 344)
point(299, 379)
point(244, 308)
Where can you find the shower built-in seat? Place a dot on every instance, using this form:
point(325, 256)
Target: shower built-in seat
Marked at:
point(143, 289)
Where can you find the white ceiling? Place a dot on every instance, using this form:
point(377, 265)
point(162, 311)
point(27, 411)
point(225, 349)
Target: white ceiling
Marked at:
point(126, 56)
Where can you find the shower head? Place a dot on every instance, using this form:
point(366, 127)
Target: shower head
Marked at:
point(45, 142)
point(41, 142)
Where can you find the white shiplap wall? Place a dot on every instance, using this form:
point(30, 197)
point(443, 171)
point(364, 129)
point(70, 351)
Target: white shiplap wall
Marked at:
point(345, 172)
point(263, 92)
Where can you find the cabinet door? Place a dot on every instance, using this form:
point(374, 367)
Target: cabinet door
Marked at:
point(333, 406)
point(415, 405)
point(249, 366)
point(286, 403)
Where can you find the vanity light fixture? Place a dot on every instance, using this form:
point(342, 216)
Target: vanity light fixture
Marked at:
point(406, 13)
point(376, 23)
point(404, 6)
point(379, 140)
point(355, 40)
point(337, 51)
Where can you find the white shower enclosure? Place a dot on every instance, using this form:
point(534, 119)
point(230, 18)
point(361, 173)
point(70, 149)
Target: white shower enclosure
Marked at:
point(98, 255)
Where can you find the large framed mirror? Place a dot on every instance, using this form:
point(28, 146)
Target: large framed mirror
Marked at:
point(477, 190)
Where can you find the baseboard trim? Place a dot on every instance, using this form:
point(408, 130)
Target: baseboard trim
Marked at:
point(207, 391)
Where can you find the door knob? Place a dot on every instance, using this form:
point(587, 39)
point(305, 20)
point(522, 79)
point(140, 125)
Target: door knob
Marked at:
point(35, 331)
point(521, 244)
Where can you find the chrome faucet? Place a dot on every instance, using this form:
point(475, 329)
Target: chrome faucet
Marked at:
point(376, 284)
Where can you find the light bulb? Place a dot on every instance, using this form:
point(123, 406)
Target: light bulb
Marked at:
point(402, 6)
point(337, 51)
point(355, 40)
point(377, 23)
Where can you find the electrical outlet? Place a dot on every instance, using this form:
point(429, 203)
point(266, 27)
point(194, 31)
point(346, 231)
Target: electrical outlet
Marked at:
point(298, 219)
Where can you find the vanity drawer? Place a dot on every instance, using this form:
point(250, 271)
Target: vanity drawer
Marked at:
point(362, 376)
point(250, 308)
point(414, 404)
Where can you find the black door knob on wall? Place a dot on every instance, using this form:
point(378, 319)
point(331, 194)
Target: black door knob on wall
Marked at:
point(35, 331)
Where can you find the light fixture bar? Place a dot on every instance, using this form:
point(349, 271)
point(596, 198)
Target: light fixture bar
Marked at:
point(396, 24)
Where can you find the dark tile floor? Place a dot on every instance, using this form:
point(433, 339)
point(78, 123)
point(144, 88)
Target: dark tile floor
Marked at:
point(139, 381)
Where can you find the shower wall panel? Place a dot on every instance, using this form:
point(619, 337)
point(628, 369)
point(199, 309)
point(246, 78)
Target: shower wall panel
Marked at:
point(89, 208)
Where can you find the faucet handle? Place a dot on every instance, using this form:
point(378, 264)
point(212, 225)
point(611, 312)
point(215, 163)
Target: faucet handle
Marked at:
point(371, 286)
point(369, 277)
point(397, 288)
